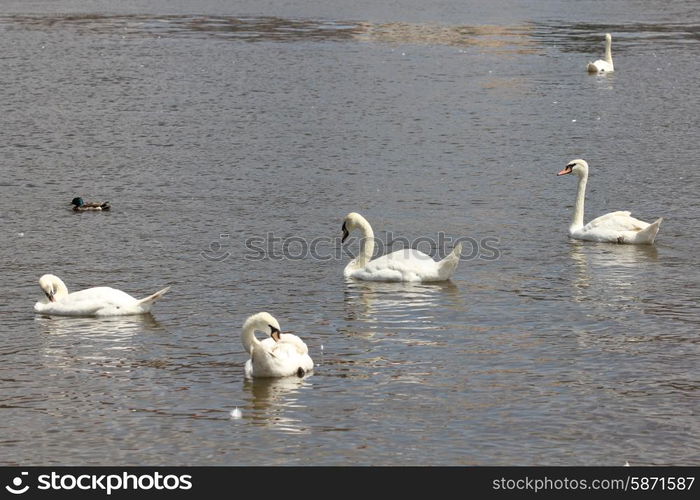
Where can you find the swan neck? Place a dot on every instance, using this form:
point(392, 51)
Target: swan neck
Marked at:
point(608, 51)
point(248, 338)
point(577, 221)
point(366, 244)
point(61, 290)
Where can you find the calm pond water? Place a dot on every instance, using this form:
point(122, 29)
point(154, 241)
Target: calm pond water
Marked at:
point(231, 138)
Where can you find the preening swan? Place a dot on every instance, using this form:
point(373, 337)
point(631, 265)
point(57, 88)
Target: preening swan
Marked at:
point(97, 301)
point(401, 265)
point(603, 65)
point(615, 227)
point(279, 355)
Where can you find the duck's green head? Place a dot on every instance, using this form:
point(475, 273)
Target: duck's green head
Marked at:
point(78, 202)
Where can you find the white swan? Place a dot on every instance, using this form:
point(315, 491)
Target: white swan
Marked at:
point(97, 301)
point(279, 355)
point(615, 227)
point(401, 265)
point(603, 65)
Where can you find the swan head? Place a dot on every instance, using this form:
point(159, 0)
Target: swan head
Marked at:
point(264, 322)
point(351, 221)
point(578, 167)
point(608, 38)
point(77, 201)
point(52, 287)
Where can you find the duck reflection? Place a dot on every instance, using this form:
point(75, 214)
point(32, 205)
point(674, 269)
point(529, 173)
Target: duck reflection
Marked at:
point(273, 399)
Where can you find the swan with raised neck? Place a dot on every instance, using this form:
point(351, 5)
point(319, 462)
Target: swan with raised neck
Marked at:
point(615, 227)
point(603, 65)
point(401, 265)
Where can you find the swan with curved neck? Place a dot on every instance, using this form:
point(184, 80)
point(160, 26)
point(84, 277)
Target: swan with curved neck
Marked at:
point(615, 227)
point(279, 355)
point(96, 301)
point(603, 65)
point(401, 265)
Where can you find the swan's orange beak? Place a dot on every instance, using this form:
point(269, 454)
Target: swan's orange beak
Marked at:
point(567, 170)
point(275, 334)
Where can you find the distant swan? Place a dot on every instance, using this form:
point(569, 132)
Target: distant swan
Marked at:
point(615, 227)
point(97, 301)
point(279, 355)
point(603, 65)
point(401, 265)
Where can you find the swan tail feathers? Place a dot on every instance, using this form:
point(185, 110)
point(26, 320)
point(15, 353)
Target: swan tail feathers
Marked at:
point(648, 234)
point(148, 301)
point(448, 265)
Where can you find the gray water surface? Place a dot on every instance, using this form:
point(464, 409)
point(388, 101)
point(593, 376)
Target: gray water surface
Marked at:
point(208, 124)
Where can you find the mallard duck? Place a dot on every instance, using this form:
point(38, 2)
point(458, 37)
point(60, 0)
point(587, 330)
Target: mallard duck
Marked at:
point(81, 206)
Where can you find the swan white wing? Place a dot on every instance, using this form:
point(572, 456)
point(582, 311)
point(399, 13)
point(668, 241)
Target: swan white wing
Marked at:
point(286, 351)
point(616, 221)
point(281, 360)
point(268, 344)
point(102, 294)
point(289, 339)
point(289, 358)
point(401, 265)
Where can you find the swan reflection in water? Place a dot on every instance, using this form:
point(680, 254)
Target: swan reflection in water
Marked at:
point(397, 315)
point(400, 305)
point(273, 400)
point(117, 326)
point(605, 268)
point(610, 283)
point(72, 340)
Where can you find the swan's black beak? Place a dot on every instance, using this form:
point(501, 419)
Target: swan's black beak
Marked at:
point(275, 333)
point(567, 170)
point(49, 295)
point(345, 233)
